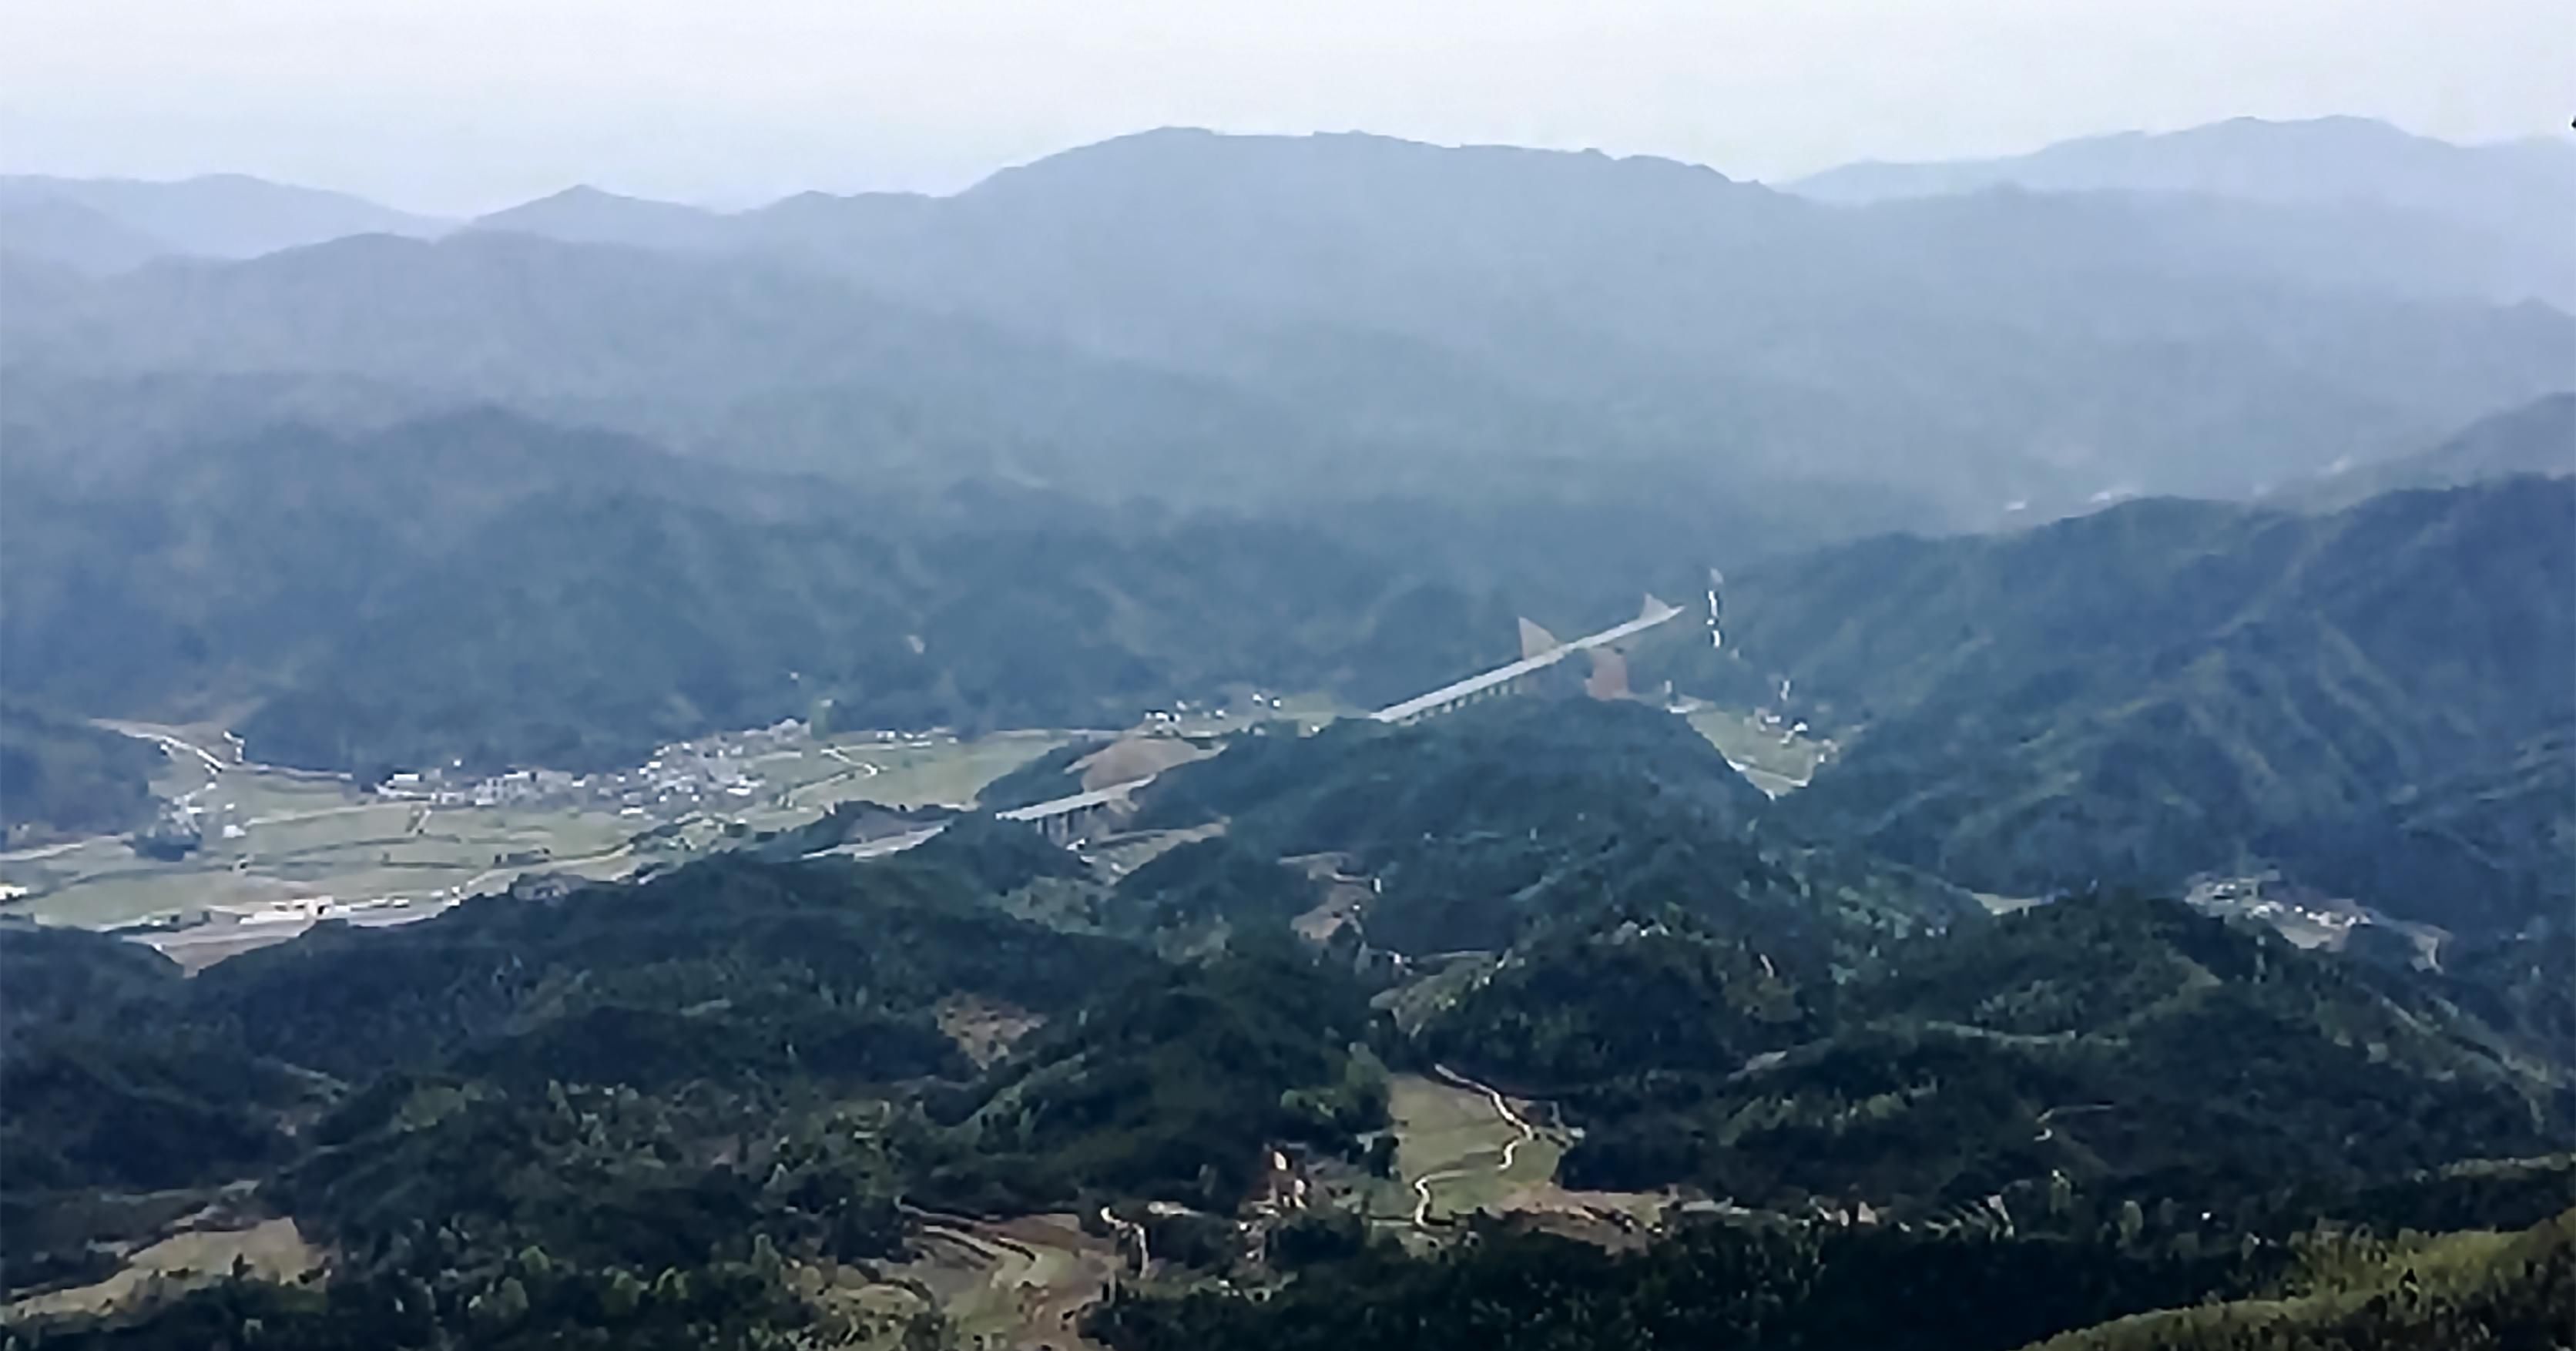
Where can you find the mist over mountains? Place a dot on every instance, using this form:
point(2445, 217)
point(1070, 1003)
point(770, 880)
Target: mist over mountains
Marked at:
point(720, 779)
point(1508, 379)
point(210, 216)
point(2331, 161)
point(1229, 319)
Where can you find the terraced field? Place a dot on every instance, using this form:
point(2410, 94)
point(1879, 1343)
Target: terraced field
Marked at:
point(1022, 1283)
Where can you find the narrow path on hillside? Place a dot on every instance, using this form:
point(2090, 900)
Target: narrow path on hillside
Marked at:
point(1511, 1148)
point(2048, 1131)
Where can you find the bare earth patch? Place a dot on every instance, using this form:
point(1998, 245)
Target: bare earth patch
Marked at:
point(1024, 1281)
point(1345, 897)
point(1131, 758)
point(985, 1029)
point(272, 1250)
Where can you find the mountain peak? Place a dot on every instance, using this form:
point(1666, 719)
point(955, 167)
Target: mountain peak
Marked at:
point(583, 214)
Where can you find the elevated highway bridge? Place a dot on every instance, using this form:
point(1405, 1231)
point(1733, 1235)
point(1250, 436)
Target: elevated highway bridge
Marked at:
point(1063, 819)
point(1517, 675)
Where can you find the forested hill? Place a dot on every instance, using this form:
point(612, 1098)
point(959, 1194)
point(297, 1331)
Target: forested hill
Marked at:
point(2173, 686)
point(744, 1101)
point(2166, 1040)
point(485, 587)
point(64, 777)
point(1490, 824)
point(2088, 617)
point(2536, 438)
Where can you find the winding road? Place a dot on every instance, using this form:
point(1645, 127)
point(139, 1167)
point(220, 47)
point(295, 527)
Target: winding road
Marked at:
point(1511, 1148)
point(2048, 1131)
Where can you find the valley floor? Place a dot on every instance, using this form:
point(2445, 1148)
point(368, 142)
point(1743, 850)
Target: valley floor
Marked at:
point(282, 849)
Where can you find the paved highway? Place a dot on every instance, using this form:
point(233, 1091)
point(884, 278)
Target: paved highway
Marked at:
point(1656, 613)
point(1074, 802)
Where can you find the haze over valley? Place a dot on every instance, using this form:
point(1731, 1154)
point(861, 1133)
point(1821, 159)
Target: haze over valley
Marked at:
point(1269, 741)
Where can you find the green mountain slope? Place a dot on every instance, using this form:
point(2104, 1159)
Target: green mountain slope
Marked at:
point(2173, 686)
point(1170, 1087)
point(2069, 1058)
point(1717, 1284)
point(509, 592)
point(1485, 825)
point(2469, 1289)
point(2535, 438)
point(60, 776)
point(805, 961)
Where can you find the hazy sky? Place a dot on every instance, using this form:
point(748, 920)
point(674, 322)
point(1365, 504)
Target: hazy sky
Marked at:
point(464, 105)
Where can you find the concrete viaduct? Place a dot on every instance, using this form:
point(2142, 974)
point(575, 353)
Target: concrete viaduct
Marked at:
point(1071, 817)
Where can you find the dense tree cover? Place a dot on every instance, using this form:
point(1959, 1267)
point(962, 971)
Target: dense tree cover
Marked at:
point(597, 1176)
point(485, 588)
point(996, 855)
point(666, 1109)
point(100, 1114)
point(2473, 1194)
point(2463, 1291)
point(725, 962)
point(724, 1306)
point(754, 979)
point(2519, 985)
point(2495, 845)
point(478, 1215)
point(2169, 687)
point(2074, 1057)
point(1297, 784)
point(1484, 824)
point(1720, 1284)
point(1158, 1089)
point(2534, 438)
point(1711, 1285)
point(1191, 884)
point(630, 1112)
point(1619, 997)
point(59, 776)
point(67, 980)
point(104, 1098)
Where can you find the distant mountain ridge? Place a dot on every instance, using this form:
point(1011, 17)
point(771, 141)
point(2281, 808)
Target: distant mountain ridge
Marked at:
point(587, 215)
point(2336, 200)
point(221, 215)
point(2322, 160)
point(68, 234)
point(2485, 216)
point(1183, 314)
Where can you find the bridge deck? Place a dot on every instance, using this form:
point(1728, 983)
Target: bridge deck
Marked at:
point(1503, 675)
point(1474, 684)
point(1421, 703)
point(1074, 802)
